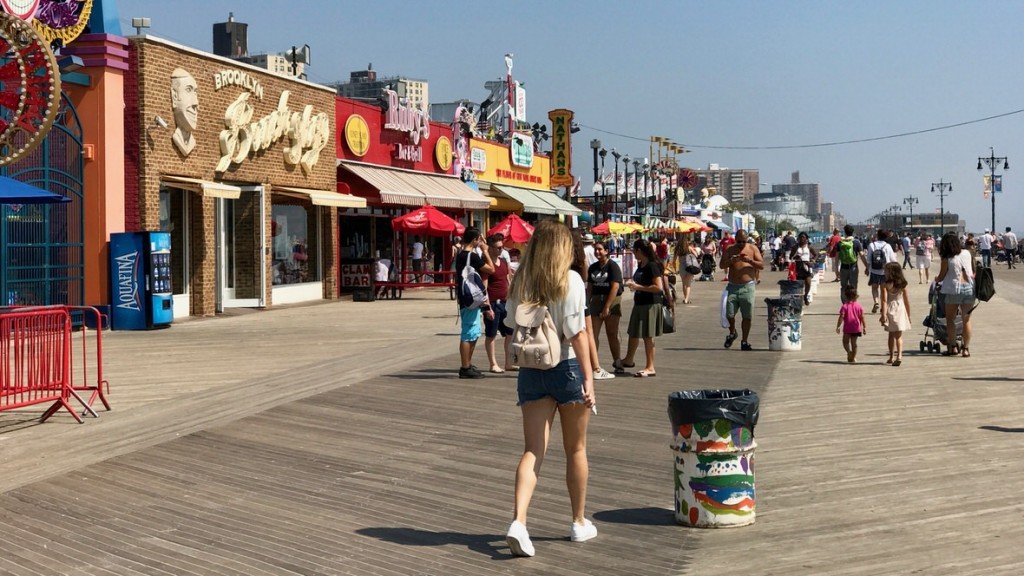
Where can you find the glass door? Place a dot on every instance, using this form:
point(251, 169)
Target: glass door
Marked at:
point(241, 270)
point(174, 219)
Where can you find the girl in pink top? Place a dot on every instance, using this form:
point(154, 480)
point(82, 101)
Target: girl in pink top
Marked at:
point(851, 324)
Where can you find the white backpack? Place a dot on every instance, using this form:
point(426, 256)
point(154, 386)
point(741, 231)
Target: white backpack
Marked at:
point(535, 339)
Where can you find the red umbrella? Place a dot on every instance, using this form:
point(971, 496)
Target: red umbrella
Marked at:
point(429, 221)
point(514, 229)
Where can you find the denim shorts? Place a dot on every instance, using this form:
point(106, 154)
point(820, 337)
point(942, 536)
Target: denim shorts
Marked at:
point(564, 383)
point(493, 327)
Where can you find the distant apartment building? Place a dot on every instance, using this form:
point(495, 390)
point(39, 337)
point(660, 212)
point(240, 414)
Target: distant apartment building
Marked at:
point(810, 192)
point(828, 217)
point(738, 186)
point(231, 40)
point(365, 85)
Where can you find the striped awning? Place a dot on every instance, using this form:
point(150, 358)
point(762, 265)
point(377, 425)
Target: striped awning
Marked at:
point(323, 197)
point(537, 201)
point(205, 187)
point(411, 188)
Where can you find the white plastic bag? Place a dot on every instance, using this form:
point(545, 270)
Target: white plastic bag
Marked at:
point(725, 319)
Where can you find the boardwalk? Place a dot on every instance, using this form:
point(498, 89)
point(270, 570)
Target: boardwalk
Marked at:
point(320, 440)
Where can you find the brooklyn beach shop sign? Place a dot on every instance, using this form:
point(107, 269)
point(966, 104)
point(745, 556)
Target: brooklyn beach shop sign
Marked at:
point(305, 133)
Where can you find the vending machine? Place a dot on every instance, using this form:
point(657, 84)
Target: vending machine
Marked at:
point(140, 280)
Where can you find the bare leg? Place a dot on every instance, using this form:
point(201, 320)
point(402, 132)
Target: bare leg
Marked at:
point(595, 363)
point(892, 345)
point(853, 345)
point(634, 343)
point(537, 418)
point(596, 323)
point(898, 337)
point(745, 325)
point(466, 352)
point(846, 343)
point(491, 357)
point(574, 419)
point(508, 355)
point(611, 326)
point(649, 354)
point(967, 326)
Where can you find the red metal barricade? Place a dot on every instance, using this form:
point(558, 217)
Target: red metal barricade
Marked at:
point(35, 360)
point(84, 359)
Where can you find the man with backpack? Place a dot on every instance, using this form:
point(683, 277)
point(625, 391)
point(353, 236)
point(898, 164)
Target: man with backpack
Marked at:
point(470, 265)
point(833, 251)
point(878, 254)
point(848, 251)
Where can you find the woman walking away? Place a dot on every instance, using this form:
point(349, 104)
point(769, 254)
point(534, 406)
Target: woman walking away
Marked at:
point(544, 278)
point(604, 281)
point(895, 315)
point(803, 255)
point(956, 279)
point(580, 266)
point(645, 322)
point(690, 265)
point(851, 323)
point(923, 249)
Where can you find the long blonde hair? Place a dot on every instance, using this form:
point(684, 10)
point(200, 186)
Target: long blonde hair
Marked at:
point(543, 275)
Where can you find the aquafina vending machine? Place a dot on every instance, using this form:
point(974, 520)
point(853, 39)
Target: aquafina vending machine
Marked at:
point(140, 280)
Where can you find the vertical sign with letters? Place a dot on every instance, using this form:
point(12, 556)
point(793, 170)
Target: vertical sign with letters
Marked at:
point(561, 147)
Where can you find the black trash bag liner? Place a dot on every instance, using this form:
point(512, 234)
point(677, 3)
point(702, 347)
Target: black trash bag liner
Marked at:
point(787, 307)
point(791, 288)
point(692, 406)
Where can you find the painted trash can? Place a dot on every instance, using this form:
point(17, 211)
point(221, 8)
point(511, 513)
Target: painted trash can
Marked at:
point(784, 321)
point(713, 443)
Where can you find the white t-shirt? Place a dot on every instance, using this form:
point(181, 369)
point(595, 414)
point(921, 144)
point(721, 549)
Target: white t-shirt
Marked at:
point(984, 242)
point(803, 254)
point(776, 243)
point(890, 255)
point(417, 250)
point(588, 249)
point(567, 315)
point(957, 268)
point(1010, 241)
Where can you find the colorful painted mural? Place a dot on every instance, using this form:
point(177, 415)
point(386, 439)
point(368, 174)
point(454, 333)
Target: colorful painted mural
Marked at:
point(714, 474)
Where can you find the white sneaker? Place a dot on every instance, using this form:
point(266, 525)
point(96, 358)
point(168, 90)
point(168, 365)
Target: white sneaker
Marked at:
point(519, 540)
point(602, 374)
point(582, 532)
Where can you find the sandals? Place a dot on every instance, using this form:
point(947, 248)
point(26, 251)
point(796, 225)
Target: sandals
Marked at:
point(730, 339)
point(644, 374)
point(965, 352)
point(897, 362)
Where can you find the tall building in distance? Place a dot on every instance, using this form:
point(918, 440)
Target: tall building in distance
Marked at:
point(365, 85)
point(809, 192)
point(738, 186)
point(230, 39)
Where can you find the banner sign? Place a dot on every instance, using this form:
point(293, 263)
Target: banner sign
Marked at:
point(561, 147)
point(522, 150)
point(520, 100)
point(992, 186)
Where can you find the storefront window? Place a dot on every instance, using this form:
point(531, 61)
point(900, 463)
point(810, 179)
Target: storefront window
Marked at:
point(295, 244)
point(172, 219)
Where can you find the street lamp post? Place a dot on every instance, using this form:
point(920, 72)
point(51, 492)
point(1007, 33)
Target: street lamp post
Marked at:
point(942, 189)
point(647, 180)
point(636, 185)
point(615, 200)
point(910, 201)
point(992, 161)
point(604, 192)
point(625, 183)
point(595, 145)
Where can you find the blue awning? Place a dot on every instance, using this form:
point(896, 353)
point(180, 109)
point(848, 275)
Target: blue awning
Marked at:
point(16, 192)
point(718, 225)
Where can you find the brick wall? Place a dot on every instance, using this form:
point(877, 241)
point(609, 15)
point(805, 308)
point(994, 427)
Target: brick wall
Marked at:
point(151, 155)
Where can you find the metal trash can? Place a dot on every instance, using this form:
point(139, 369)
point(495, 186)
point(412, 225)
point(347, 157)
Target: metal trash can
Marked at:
point(791, 289)
point(713, 442)
point(784, 320)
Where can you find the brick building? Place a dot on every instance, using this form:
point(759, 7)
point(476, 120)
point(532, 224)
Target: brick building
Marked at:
point(238, 165)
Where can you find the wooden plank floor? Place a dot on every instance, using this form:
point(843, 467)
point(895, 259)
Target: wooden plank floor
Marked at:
point(381, 462)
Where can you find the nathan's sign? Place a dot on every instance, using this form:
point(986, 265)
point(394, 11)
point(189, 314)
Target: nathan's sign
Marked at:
point(561, 147)
point(408, 120)
point(305, 133)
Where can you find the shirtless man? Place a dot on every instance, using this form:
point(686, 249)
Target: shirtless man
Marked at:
point(743, 263)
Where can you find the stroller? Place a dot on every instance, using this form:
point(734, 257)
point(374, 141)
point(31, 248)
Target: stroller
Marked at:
point(935, 323)
point(707, 268)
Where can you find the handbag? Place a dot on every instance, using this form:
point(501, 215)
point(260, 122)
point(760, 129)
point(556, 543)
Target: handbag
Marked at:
point(668, 320)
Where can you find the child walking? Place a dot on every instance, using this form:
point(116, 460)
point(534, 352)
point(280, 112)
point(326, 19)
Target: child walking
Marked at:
point(851, 323)
point(895, 315)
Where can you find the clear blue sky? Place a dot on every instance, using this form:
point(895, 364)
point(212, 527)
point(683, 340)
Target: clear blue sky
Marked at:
point(702, 73)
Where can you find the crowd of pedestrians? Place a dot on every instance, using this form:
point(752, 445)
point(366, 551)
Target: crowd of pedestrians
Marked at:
point(580, 286)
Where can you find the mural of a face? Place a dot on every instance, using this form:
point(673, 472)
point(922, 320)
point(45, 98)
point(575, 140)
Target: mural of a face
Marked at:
point(185, 103)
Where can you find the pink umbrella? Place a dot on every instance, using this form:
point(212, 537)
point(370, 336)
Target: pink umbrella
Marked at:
point(513, 228)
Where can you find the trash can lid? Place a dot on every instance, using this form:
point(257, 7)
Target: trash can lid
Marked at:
point(691, 406)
